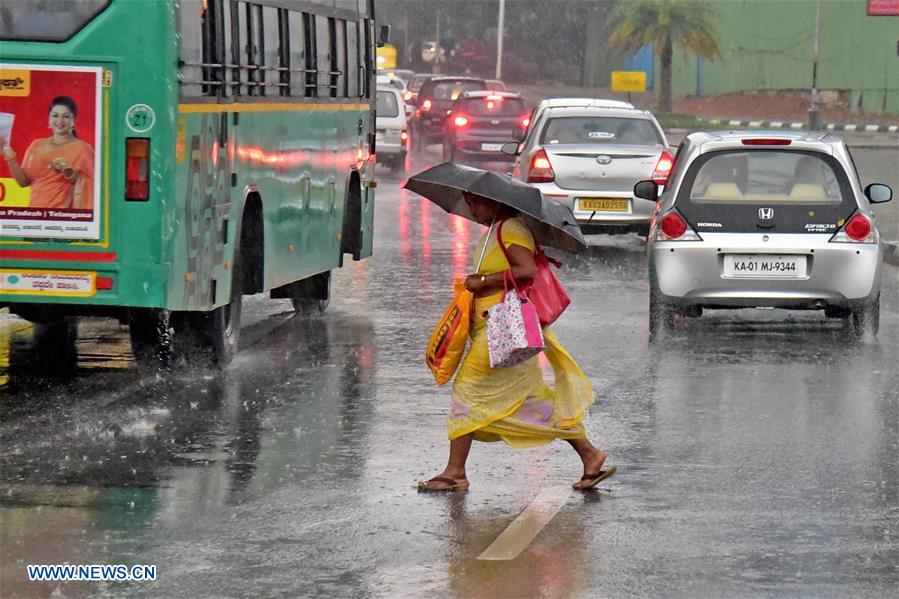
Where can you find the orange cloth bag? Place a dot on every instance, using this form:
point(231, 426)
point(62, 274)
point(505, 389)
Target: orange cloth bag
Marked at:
point(448, 340)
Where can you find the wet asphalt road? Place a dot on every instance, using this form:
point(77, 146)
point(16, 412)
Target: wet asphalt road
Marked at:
point(758, 450)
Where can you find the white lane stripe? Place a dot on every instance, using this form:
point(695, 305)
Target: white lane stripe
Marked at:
point(796, 125)
point(776, 124)
point(755, 124)
point(872, 127)
point(518, 535)
point(893, 128)
point(735, 123)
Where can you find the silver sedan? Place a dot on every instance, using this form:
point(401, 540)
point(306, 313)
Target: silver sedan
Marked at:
point(590, 157)
point(756, 219)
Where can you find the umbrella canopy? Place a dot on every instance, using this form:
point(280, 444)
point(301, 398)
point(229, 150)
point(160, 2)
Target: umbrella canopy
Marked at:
point(553, 224)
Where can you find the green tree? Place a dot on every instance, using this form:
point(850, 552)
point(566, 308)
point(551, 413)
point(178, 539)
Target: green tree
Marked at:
point(688, 24)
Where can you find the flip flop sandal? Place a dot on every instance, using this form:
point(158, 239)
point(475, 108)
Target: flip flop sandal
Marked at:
point(588, 481)
point(451, 484)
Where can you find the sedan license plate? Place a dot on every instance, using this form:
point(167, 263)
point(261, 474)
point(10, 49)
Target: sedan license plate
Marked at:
point(491, 147)
point(764, 266)
point(603, 204)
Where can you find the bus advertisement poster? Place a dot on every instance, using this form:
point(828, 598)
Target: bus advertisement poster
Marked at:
point(50, 148)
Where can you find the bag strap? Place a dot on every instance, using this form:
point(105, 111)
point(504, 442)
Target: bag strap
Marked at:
point(538, 249)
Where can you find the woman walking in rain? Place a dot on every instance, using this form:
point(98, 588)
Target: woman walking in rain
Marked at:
point(513, 404)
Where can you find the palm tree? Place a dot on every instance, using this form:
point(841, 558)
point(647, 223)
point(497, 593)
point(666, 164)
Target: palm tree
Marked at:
point(689, 24)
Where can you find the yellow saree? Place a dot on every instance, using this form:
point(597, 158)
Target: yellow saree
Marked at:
point(516, 405)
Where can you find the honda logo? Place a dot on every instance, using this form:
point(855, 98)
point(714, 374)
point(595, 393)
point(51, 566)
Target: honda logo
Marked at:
point(766, 213)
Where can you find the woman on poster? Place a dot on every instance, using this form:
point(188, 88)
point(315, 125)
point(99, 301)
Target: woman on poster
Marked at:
point(60, 168)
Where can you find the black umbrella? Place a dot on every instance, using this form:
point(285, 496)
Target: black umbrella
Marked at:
point(553, 224)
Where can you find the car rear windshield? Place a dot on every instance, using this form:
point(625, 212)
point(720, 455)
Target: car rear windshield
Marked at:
point(765, 177)
point(46, 20)
point(416, 82)
point(600, 130)
point(492, 107)
point(450, 90)
point(387, 104)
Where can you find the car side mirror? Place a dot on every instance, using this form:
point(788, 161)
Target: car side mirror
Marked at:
point(878, 193)
point(510, 148)
point(646, 190)
point(384, 35)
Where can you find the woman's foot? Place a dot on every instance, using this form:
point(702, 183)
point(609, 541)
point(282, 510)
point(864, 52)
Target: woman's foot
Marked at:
point(445, 481)
point(442, 483)
point(593, 472)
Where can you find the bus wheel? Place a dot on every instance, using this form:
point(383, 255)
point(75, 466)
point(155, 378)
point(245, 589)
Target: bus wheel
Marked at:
point(312, 294)
point(222, 325)
point(55, 343)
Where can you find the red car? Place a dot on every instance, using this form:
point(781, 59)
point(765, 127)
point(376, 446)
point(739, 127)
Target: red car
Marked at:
point(480, 123)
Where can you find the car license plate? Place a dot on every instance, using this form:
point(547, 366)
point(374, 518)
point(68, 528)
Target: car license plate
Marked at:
point(764, 266)
point(491, 147)
point(603, 204)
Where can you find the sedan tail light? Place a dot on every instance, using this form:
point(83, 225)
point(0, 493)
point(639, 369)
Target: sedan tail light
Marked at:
point(525, 122)
point(663, 169)
point(673, 227)
point(858, 229)
point(541, 170)
point(407, 96)
point(426, 105)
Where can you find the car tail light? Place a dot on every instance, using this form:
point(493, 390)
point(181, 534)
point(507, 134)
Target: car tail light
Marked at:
point(426, 105)
point(137, 168)
point(460, 120)
point(404, 135)
point(525, 122)
point(858, 229)
point(772, 141)
point(407, 96)
point(673, 227)
point(663, 169)
point(541, 170)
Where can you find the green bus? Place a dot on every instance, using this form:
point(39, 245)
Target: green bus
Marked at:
point(163, 158)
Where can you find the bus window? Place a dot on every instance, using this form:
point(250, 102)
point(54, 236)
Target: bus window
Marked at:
point(309, 35)
point(256, 49)
point(272, 51)
point(191, 54)
point(47, 20)
point(296, 55)
point(352, 73)
point(323, 50)
point(340, 43)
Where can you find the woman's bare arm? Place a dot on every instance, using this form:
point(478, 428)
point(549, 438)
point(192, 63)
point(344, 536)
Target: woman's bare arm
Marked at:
point(523, 266)
point(15, 168)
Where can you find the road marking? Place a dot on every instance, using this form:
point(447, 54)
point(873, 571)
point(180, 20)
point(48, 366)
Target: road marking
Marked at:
point(518, 535)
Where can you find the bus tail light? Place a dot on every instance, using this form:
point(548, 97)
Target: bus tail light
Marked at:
point(541, 170)
point(137, 169)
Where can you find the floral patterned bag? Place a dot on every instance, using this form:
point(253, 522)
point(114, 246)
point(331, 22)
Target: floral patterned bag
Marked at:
point(513, 328)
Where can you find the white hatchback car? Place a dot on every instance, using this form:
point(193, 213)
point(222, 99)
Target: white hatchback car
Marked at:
point(590, 157)
point(392, 136)
point(764, 219)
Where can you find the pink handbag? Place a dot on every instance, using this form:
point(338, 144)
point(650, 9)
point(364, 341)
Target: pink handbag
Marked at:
point(513, 328)
point(546, 291)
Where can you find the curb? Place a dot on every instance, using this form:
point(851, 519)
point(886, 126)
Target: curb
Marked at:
point(799, 125)
point(891, 255)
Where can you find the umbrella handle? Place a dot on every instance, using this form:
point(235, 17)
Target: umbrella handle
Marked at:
point(486, 243)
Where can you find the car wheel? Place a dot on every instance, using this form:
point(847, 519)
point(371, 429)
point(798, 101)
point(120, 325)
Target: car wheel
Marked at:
point(867, 318)
point(661, 316)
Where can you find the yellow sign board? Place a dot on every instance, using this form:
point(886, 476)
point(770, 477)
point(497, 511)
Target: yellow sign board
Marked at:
point(15, 83)
point(386, 57)
point(628, 81)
